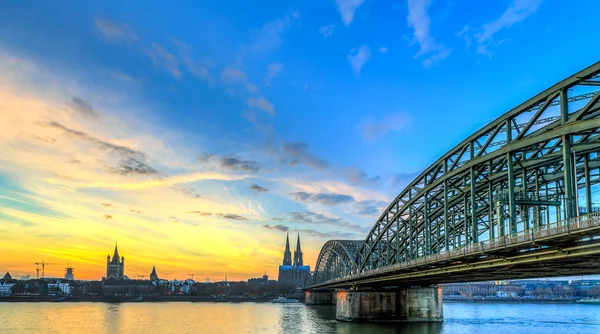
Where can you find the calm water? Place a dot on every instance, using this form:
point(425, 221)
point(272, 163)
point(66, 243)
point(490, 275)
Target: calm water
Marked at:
point(279, 318)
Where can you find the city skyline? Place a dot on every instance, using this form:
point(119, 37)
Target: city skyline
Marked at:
point(199, 136)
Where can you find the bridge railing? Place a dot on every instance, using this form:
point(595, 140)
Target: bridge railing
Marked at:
point(563, 227)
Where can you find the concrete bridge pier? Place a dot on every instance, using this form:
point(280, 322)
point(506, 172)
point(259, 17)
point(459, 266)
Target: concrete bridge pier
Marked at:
point(400, 305)
point(320, 297)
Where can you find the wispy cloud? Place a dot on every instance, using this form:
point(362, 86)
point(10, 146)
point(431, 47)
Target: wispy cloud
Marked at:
point(281, 228)
point(82, 107)
point(294, 154)
point(418, 19)
point(198, 70)
point(383, 50)
point(163, 59)
point(235, 75)
point(372, 130)
point(114, 32)
point(347, 8)
point(273, 71)
point(262, 104)
point(358, 58)
point(517, 11)
point(270, 37)
point(370, 207)
point(327, 30)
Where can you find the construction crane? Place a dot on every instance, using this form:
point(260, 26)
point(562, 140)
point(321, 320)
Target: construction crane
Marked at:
point(192, 275)
point(43, 264)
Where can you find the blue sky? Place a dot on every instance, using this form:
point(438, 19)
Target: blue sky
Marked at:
point(293, 116)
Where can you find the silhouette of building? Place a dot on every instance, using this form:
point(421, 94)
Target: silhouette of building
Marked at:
point(69, 274)
point(264, 280)
point(153, 275)
point(293, 274)
point(114, 267)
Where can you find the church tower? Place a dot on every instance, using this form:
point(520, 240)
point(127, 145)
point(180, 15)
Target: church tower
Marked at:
point(287, 255)
point(153, 275)
point(298, 261)
point(114, 267)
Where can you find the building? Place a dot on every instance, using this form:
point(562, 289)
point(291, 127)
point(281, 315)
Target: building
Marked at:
point(153, 275)
point(124, 287)
point(293, 274)
point(264, 280)
point(114, 268)
point(6, 285)
point(69, 274)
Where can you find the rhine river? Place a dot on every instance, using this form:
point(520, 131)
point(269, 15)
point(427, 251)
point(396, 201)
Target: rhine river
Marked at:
point(178, 317)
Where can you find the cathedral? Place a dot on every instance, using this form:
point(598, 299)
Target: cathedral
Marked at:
point(293, 273)
point(114, 267)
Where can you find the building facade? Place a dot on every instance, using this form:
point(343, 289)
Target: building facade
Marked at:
point(293, 274)
point(115, 268)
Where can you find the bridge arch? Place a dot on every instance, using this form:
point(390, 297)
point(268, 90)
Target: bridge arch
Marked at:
point(533, 166)
point(336, 259)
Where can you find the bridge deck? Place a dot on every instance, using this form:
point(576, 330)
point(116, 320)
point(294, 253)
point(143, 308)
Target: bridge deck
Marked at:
point(530, 253)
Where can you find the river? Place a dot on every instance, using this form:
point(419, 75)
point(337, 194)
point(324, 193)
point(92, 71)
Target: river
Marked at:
point(179, 317)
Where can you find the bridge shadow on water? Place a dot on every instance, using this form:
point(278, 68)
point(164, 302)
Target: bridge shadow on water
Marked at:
point(321, 319)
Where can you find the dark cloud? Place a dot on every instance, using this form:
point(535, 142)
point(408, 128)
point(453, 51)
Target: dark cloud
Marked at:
point(201, 213)
point(107, 217)
point(320, 219)
point(258, 189)
point(370, 207)
point(233, 162)
point(232, 216)
point(46, 139)
point(131, 161)
point(82, 107)
point(327, 235)
point(358, 176)
point(281, 228)
point(134, 211)
point(191, 192)
point(74, 162)
point(294, 154)
point(205, 157)
point(133, 166)
point(106, 204)
point(329, 199)
point(279, 219)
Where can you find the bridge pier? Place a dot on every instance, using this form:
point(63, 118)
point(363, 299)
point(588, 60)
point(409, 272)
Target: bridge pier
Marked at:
point(399, 305)
point(320, 297)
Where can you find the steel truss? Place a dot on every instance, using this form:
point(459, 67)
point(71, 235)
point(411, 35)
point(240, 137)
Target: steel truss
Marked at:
point(533, 166)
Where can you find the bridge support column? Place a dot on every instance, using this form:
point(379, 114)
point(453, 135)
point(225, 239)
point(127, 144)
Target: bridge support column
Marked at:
point(399, 305)
point(319, 297)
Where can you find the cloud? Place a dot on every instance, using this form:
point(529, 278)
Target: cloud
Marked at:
point(114, 32)
point(233, 162)
point(262, 104)
point(358, 58)
point(294, 154)
point(383, 50)
point(234, 75)
point(135, 211)
point(372, 130)
point(131, 161)
point(279, 219)
point(327, 235)
point(193, 66)
point(370, 207)
point(105, 204)
point(273, 71)
point(107, 217)
point(327, 30)
point(231, 216)
point(258, 189)
point(83, 107)
point(328, 199)
point(419, 21)
point(191, 192)
point(201, 213)
point(357, 176)
point(73, 162)
point(401, 180)
point(270, 37)
point(347, 8)
point(164, 60)
point(517, 11)
point(281, 228)
point(313, 218)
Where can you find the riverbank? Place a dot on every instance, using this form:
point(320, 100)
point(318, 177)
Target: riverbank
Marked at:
point(128, 299)
point(510, 300)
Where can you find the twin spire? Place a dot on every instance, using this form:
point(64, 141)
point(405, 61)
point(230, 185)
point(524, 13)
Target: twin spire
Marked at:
point(287, 254)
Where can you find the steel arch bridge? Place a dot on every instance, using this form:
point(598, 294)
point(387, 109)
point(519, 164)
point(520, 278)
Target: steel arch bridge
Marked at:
point(512, 189)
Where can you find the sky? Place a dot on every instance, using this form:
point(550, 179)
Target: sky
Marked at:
point(196, 134)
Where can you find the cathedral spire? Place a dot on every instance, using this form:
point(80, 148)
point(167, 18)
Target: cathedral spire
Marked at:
point(287, 255)
point(115, 257)
point(298, 261)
